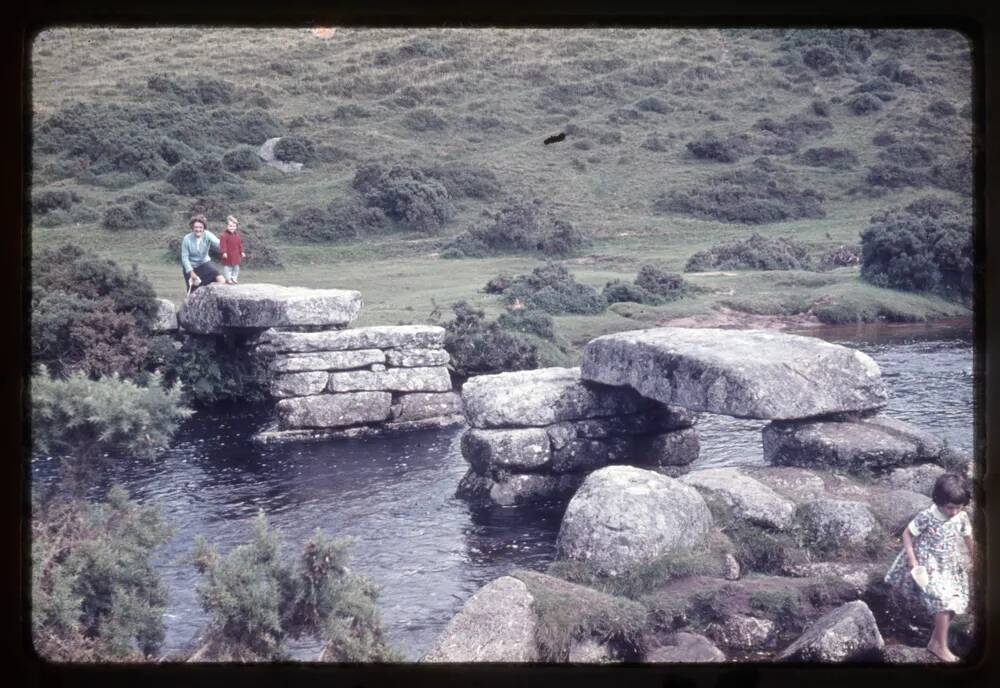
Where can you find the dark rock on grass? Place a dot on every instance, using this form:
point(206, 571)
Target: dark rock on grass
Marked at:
point(847, 634)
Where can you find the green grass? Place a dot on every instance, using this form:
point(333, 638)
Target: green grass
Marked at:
point(505, 75)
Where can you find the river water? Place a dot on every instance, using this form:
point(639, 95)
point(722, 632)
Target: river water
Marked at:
point(428, 550)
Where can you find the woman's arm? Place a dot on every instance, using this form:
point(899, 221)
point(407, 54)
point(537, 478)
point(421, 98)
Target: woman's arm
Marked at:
point(185, 256)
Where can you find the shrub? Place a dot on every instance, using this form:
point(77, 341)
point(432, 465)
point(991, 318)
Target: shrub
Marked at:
point(294, 149)
point(894, 70)
point(551, 288)
point(953, 175)
point(711, 147)
point(213, 370)
point(148, 214)
point(883, 138)
point(117, 217)
point(655, 143)
point(840, 256)
point(757, 194)
point(753, 253)
point(820, 108)
point(795, 127)
point(880, 87)
point(667, 286)
point(653, 104)
point(517, 226)
point(241, 159)
point(466, 181)
point(528, 321)
point(95, 595)
point(942, 108)
point(893, 176)
point(257, 598)
point(406, 195)
point(617, 291)
point(907, 155)
point(477, 347)
point(47, 201)
point(824, 156)
point(188, 179)
point(83, 419)
point(424, 119)
point(259, 253)
point(863, 104)
point(198, 91)
point(925, 246)
point(308, 224)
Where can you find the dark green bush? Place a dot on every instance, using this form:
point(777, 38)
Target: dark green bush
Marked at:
point(925, 246)
point(259, 252)
point(188, 179)
point(295, 149)
point(463, 180)
point(758, 194)
point(863, 104)
point(47, 201)
point(117, 217)
point(907, 155)
point(617, 291)
point(241, 159)
point(892, 176)
point(149, 215)
point(478, 347)
point(257, 598)
point(953, 175)
point(517, 226)
point(710, 147)
point(880, 87)
point(756, 252)
point(213, 370)
point(826, 156)
point(406, 195)
point(196, 91)
point(667, 286)
point(654, 104)
point(95, 594)
point(424, 119)
point(551, 288)
point(529, 321)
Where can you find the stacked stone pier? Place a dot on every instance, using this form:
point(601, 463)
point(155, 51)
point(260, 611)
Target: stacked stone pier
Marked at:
point(329, 380)
point(535, 435)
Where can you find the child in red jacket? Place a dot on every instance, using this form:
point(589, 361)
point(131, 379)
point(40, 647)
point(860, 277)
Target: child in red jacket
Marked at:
point(231, 245)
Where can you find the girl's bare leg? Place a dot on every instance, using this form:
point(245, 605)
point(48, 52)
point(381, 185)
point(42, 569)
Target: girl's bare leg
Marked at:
point(938, 645)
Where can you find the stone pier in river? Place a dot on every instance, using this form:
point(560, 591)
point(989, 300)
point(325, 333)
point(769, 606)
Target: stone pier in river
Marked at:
point(328, 380)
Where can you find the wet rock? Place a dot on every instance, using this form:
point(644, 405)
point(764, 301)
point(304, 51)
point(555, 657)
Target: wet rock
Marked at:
point(333, 410)
point(166, 317)
point(416, 358)
point(376, 337)
point(837, 523)
point(522, 488)
point(474, 485)
point(847, 634)
point(298, 384)
point(497, 624)
point(875, 443)
point(747, 498)
point(747, 373)
point(522, 449)
point(542, 397)
point(215, 308)
point(327, 360)
point(919, 478)
point(392, 380)
point(586, 455)
point(741, 632)
point(684, 648)
point(421, 405)
point(624, 516)
point(670, 449)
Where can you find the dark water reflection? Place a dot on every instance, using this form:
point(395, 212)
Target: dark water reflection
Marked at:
point(395, 496)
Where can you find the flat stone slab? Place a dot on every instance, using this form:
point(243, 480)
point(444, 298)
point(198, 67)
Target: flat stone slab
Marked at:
point(875, 443)
point(327, 360)
point(535, 398)
point(333, 410)
point(393, 380)
point(375, 337)
point(414, 358)
point(420, 405)
point(747, 498)
point(215, 308)
point(745, 373)
point(276, 436)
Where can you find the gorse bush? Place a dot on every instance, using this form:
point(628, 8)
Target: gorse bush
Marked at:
point(517, 226)
point(241, 159)
point(758, 194)
point(87, 314)
point(652, 286)
point(84, 419)
point(528, 321)
point(924, 246)
point(295, 149)
point(258, 598)
point(47, 201)
point(95, 595)
point(756, 252)
point(479, 347)
point(406, 195)
point(826, 156)
point(213, 370)
point(552, 289)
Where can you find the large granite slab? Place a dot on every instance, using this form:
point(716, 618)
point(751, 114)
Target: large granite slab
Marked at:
point(745, 373)
point(376, 337)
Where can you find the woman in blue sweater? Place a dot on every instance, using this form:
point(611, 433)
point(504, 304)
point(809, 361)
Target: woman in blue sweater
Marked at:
point(195, 259)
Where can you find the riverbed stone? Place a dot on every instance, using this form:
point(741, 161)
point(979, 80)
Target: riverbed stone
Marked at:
point(523, 488)
point(667, 450)
point(685, 648)
point(496, 624)
point(857, 574)
point(165, 319)
point(746, 498)
point(740, 632)
point(905, 654)
point(522, 449)
point(837, 523)
point(327, 360)
point(416, 358)
point(747, 373)
point(215, 308)
point(585, 454)
point(333, 410)
point(848, 633)
point(298, 384)
point(590, 651)
point(624, 516)
point(392, 380)
point(919, 478)
point(374, 337)
point(542, 397)
point(420, 405)
point(896, 508)
point(474, 485)
point(877, 443)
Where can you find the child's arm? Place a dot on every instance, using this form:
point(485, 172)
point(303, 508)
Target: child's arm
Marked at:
point(971, 544)
point(911, 558)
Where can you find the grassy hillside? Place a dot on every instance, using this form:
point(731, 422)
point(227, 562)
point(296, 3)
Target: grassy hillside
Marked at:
point(665, 131)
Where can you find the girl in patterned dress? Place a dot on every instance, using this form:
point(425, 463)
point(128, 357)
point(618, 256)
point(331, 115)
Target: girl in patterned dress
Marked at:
point(933, 563)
